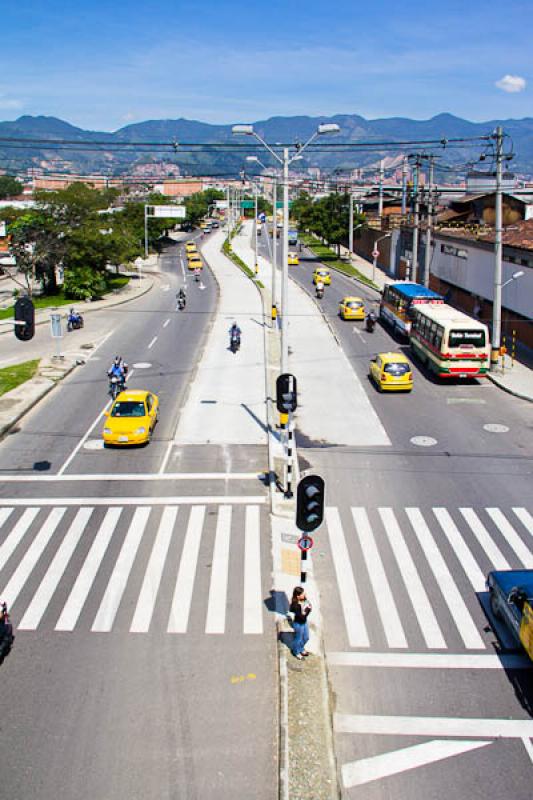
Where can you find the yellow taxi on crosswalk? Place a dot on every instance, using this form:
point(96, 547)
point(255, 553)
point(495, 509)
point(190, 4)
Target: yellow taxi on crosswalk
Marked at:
point(352, 308)
point(391, 372)
point(322, 275)
point(132, 418)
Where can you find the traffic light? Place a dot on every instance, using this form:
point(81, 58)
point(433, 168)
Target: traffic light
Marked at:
point(310, 503)
point(25, 313)
point(286, 393)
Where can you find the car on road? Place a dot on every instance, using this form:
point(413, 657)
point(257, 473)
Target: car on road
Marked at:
point(190, 247)
point(293, 259)
point(391, 372)
point(322, 275)
point(511, 602)
point(195, 263)
point(352, 308)
point(132, 418)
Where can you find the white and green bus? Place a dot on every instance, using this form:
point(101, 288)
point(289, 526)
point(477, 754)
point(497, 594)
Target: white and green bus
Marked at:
point(450, 343)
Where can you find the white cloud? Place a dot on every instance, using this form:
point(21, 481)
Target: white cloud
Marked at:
point(511, 83)
point(7, 102)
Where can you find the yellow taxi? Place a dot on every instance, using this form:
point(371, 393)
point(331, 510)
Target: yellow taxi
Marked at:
point(352, 308)
point(321, 274)
point(190, 247)
point(293, 259)
point(391, 372)
point(195, 263)
point(132, 418)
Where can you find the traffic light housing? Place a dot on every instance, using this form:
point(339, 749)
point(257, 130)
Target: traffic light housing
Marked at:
point(24, 313)
point(286, 399)
point(310, 503)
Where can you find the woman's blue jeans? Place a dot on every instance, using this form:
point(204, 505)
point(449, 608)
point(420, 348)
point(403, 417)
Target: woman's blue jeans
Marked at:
point(300, 638)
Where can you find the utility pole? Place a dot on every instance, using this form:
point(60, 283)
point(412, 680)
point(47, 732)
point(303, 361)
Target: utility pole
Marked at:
point(497, 300)
point(284, 264)
point(274, 248)
point(255, 228)
point(427, 259)
point(228, 221)
point(380, 206)
point(350, 225)
point(414, 265)
point(404, 186)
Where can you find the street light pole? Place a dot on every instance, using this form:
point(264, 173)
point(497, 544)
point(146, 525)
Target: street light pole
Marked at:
point(285, 264)
point(255, 228)
point(427, 255)
point(497, 299)
point(350, 231)
point(274, 249)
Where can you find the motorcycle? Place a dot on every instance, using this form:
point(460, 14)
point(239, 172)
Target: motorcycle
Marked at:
point(74, 321)
point(116, 385)
point(235, 342)
point(181, 302)
point(370, 323)
point(7, 636)
point(319, 293)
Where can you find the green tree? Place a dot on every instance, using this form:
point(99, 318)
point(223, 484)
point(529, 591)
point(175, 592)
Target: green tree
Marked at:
point(9, 187)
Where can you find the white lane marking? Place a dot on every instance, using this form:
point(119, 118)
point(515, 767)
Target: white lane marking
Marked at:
point(495, 427)
point(142, 365)
point(512, 536)
point(460, 614)
point(525, 518)
point(468, 562)
point(33, 554)
point(183, 270)
point(423, 441)
point(154, 340)
point(349, 597)
point(428, 660)
point(134, 476)
point(390, 619)
point(94, 444)
point(105, 616)
point(433, 726)
point(154, 571)
point(529, 747)
point(253, 602)
point(218, 588)
point(19, 530)
point(166, 457)
point(415, 589)
point(166, 288)
point(374, 768)
point(82, 441)
point(181, 602)
point(79, 592)
point(50, 582)
point(166, 322)
point(135, 501)
point(495, 555)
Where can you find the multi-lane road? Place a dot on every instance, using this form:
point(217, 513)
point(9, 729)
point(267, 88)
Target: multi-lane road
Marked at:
point(137, 582)
point(424, 705)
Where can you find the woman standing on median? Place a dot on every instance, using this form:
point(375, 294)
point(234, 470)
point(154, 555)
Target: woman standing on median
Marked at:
point(301, 610)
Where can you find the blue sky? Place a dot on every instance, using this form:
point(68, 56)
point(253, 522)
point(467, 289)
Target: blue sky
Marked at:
point(112, 63)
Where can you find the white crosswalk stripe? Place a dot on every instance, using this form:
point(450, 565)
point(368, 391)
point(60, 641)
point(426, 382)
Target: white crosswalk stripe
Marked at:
point(437, 554)
point(101, 560)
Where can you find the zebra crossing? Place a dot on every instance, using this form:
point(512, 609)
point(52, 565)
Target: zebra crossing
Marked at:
point(140, 568)
point(414, 578)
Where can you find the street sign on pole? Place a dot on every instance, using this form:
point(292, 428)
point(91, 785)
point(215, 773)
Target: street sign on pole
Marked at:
point(305, 543)
point(179, 212)
point(55, 321)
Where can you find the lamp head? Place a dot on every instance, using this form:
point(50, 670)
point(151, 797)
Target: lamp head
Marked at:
point(247, 130)
point(252, 158)
point(518, 274)
point(328, 127)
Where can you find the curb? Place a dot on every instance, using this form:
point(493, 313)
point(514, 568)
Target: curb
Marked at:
point(29, 404)
point(508, 389)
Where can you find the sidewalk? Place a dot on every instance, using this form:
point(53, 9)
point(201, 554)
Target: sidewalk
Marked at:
point(226, 404)
point(515, 378)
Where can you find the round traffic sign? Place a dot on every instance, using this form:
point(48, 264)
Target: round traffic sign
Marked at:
point(305, 542)
point(375, 253)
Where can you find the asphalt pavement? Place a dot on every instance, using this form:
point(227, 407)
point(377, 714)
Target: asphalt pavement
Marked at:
point(430, 696)
point(138, 581)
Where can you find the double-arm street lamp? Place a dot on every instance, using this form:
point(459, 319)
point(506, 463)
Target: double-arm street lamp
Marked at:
point(285, 160)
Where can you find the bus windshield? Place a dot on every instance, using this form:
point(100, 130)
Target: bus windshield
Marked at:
point(473, 338)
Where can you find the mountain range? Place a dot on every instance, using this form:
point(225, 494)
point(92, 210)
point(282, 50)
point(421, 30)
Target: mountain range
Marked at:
point(102, 157)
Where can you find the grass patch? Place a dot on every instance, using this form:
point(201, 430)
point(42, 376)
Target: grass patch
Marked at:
point(11, 377)
point(226, 249)
point(113, 283)
point(330, 259)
